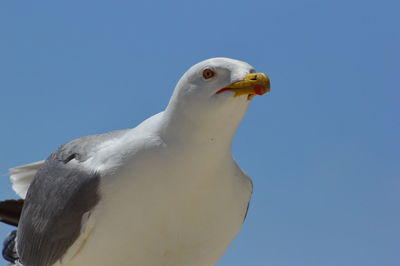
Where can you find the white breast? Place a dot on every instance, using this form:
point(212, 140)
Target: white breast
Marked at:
point(166, 209)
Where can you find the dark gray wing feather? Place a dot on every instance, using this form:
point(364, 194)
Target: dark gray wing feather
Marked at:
point(9, 253)
point(56, 200)
point(10, 211)
point(248, 203)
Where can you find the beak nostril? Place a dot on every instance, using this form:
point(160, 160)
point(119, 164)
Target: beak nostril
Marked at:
point(254, 77)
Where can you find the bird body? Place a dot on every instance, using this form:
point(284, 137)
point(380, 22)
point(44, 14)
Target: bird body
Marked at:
point(178, 213)
point(165, 193)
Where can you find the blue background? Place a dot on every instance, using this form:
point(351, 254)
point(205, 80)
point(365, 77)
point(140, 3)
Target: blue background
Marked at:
point(322, 148)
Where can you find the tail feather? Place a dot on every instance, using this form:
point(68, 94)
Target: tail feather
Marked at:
point(9, 250)
point(10, 211)
point(21, 177)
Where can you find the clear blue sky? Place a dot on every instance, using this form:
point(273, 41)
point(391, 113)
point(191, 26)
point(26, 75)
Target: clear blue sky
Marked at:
point(322, 148)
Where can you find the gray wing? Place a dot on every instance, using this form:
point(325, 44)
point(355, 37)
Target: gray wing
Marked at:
point(58, 197)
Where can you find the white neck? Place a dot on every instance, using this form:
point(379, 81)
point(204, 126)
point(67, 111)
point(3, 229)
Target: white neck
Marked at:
point(208, 131)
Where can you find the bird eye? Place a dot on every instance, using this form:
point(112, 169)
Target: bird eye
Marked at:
point(208, 73)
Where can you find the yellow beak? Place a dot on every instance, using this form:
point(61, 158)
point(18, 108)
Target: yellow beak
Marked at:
point(252, 84)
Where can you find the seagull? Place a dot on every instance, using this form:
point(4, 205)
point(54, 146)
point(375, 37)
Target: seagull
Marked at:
point(164, 193)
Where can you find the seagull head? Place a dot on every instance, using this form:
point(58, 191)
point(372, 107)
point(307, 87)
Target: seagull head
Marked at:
point(229, 77)
point(216, 92)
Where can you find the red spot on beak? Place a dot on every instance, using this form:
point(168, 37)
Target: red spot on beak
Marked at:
point(260, 89)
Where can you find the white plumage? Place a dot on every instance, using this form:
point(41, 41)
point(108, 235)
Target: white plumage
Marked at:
point(170, 192)
point(21, 177)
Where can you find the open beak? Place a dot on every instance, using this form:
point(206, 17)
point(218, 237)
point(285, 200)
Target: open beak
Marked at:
point(252, 84)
